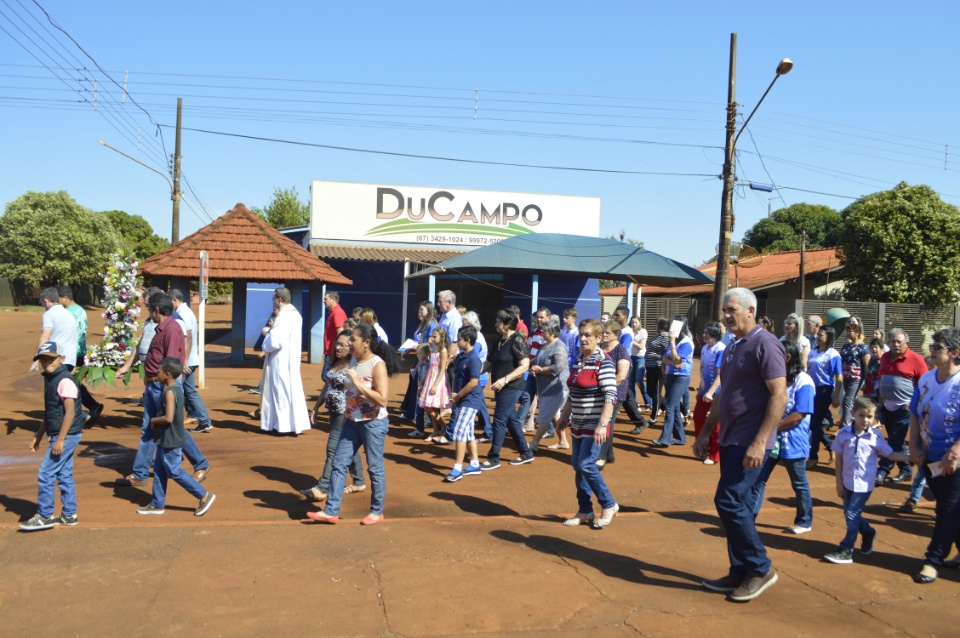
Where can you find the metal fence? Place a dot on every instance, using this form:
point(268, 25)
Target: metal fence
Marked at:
point(918, 321)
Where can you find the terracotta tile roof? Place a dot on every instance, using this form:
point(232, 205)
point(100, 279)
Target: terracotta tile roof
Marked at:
point(241, 246)
point(773, 269)
point(381, 253)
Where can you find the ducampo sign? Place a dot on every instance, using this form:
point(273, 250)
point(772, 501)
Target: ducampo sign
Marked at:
point(448, 216)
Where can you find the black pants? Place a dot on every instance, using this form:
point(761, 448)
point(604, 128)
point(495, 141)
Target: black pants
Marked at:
point(653, 389)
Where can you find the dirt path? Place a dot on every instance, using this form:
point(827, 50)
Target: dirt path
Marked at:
point(485, 555)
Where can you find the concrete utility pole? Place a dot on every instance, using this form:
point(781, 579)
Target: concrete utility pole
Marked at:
point(722, 277)
point(175, 233)
point(803, 262)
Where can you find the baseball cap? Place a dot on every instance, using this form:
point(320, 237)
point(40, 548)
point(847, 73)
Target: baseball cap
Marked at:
point(49, 348)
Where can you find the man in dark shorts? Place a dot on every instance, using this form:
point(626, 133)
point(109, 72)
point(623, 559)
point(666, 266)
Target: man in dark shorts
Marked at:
point(754, 378)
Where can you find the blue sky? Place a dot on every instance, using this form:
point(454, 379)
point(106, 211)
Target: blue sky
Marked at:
point(871, 101)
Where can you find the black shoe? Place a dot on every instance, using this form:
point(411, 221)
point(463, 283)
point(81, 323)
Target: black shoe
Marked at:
point(881, 477)
point(639, 428)
point(523, 460)
point(925, 578)
point(841, 556)
point(94, 415)
point(203, 428)
point(866, 546)
point(753, 585)
point(902, 477)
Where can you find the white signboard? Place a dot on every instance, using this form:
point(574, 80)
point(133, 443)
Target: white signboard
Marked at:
point(446, 216)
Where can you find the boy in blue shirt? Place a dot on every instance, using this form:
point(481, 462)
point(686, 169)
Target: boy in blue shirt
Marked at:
point(467, 401)
point(170, 436)
point(63, 422)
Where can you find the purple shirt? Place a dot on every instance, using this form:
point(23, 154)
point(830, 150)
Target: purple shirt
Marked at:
point(857, 456)
point(748, 364)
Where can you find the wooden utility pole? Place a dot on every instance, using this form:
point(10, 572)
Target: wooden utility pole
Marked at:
point(175, 233)
point(722, 277)
point(803, 262)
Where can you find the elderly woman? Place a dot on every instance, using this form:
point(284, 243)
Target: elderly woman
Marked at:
point(470, 318)
point(593, 391)
point(935, 446)
point(551, 370)
point(855, 357)
point(621, 359)
point(792, 332)
point(509, 360)
point(367, 388)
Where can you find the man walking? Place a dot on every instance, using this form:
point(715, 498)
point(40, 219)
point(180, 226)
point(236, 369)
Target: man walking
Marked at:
point(167, 341)
point(336, 317)
point(283, 408)
point(900, 370)
point(528, 399)
point(812, 325)
point(750, 407)
point(195, 409)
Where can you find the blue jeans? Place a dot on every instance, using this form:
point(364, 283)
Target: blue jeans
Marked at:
point(356, 465)
point(946, 527)
point(853, 504)
point(506, 419)
point(916, 489)
point(192, 401)
point(797, 470)
point(148, 446)
point(897, 424)
point(484, 414)
point(326, 368)
point(529, 391)
point(371, 435)
point(57, 469)
point(639, 374)
point(851, 388)
point(410, 402)
point(734, 501)
point(821, 408)
point(673, 432)
point(587, 476)
point(167, 465)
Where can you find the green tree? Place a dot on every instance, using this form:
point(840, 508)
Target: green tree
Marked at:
point(900, 246)
point(48, 238)
point(781, 230)
point(140, 239)
point(603, 284)
point(285, 210)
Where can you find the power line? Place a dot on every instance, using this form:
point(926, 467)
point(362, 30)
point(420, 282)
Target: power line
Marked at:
point(441, 158)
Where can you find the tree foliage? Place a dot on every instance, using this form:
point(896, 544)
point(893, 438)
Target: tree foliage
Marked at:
point(900, 246)
point(603, 284)
point(141, 241)
point(285, 210)
point(781, 230)
point(48, 238)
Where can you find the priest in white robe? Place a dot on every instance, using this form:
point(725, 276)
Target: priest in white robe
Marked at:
point(284, 406)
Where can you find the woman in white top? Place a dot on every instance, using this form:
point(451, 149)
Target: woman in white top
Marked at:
point(791, 332)
point(365, 424)
point(638, 354)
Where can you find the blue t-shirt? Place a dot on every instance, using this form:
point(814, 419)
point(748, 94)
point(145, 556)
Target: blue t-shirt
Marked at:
point(937, 406)
point(711, 358)
point(823, 367)
point(626, 339)
point(465, 367)
point(423, 336)
point(685, 352)
point(795, 442)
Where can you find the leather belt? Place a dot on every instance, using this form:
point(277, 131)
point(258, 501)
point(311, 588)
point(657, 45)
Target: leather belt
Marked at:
point(151, 380)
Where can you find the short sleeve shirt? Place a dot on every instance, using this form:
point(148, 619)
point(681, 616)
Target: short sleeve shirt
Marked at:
point(824, 366)
point(77, 311)
point(858, 457)
point(190, 324)
point(465, 367)
point(451, 322)
point(937, 406)
point(851, 355)
point(795, 442)
point(63, 331)
point(685, 352)
point(711, 358)
point(748, 364)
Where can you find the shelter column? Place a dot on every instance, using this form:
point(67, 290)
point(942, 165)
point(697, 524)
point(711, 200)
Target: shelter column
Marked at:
point(534, 294)
point(296, 295)
point(629, 303)
point(183, 285)
point(432, 290)
point(238, 322)
point(318, 319)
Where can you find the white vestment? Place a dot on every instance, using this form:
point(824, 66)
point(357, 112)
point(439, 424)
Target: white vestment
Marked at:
point(284, 406)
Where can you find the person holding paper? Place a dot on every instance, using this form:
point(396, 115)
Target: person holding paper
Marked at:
point(679, 363)
point(935, 446)
point(422, 335)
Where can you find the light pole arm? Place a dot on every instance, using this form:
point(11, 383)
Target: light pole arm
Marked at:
point(141, 164)
point(747, 121)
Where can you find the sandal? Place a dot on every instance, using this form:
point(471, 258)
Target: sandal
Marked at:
point(606, 519)
point(559, 446)
point(350, 489)
point(579, 518)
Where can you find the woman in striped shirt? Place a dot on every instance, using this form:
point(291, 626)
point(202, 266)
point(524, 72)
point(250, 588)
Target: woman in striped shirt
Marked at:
point(593, 393)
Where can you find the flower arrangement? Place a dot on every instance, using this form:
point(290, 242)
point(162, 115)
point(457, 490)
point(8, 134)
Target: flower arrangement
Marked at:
point(120, 292)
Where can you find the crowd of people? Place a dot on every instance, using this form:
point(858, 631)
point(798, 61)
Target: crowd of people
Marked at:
point(761, 402)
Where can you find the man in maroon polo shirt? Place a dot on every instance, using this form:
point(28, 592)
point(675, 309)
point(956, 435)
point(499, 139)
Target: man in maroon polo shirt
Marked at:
point(168, 341)
point(754, 380)
point(335, 320)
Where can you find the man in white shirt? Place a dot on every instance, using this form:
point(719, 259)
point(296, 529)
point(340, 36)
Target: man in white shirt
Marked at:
point(195, 408)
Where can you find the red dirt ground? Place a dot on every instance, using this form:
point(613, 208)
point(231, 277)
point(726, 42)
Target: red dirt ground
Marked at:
point(486, 555)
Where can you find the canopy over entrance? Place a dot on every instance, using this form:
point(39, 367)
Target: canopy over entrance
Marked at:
point(573, 256)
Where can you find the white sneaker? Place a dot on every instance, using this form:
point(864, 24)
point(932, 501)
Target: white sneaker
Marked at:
point(798, 529)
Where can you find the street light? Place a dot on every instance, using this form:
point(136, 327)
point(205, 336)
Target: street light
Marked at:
point(173, 192)
point(722, 277)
